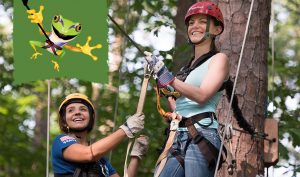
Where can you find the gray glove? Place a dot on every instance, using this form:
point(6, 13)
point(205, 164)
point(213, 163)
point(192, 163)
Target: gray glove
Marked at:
point(140, 146)
point(163, 75)
point(133, 124)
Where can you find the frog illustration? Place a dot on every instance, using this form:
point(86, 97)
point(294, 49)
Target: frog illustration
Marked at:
point(62, 32)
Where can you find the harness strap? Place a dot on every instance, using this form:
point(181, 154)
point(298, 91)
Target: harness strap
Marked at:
point(63, 175)
point(51, 45)
point(177, 155)
point(209, 151)
point(77, 172)
point(161, 162)
point(185, 122)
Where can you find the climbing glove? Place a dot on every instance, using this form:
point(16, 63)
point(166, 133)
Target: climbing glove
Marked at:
point(140, 146)
point(161, 72)
point(133, 124)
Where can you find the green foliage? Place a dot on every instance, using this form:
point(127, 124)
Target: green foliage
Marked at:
point(286, 71)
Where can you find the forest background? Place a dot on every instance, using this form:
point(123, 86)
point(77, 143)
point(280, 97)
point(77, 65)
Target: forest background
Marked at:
point(23, 108)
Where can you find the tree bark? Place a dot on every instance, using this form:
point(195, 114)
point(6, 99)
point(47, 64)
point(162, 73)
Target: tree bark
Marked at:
point(251, 88)
point(40, 129)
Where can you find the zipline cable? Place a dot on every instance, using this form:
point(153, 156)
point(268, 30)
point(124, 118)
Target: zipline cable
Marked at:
point(227, 121)
point(126, 35)
point(25, 3)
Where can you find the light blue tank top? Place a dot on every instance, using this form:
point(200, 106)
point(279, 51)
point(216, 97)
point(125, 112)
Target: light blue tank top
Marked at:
point(188, 108)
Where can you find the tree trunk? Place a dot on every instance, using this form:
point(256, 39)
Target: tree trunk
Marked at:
point(251, 88)
point(40, 130)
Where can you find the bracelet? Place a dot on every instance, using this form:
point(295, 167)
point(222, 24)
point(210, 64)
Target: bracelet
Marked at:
point(93, 157)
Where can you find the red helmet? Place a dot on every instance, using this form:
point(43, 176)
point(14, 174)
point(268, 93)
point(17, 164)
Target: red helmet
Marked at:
point(206, 8)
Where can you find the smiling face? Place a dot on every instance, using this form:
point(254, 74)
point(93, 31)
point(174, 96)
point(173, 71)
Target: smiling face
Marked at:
point(65, 29)
point(197, 27)
point(77, 116)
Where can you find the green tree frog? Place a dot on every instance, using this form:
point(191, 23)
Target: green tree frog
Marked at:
point(63, 31)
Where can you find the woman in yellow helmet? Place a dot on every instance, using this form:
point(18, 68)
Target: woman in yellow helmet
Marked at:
point(73, 155)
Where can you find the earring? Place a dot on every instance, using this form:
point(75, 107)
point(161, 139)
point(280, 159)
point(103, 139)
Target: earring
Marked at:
point(68, 129)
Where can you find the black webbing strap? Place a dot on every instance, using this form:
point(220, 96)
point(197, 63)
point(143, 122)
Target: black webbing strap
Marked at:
point(53, 46)
point(77, 172)
point(63, 175)
point(207, 149)
point(177, 155)
point(186, 70)
point(185, 122)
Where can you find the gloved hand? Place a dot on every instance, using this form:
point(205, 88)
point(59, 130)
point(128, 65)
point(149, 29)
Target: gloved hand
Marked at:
point(164, 76)
point(140, 146)
point(133, 124)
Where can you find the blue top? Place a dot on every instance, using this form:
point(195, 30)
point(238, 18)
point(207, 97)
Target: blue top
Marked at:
point(61, 166)
point(188, 108)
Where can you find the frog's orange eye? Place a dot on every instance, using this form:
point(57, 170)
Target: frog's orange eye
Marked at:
point(56, 18)
point(78, 27)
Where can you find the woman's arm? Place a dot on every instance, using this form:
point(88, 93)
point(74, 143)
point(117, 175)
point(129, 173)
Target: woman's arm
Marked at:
point(139, 149)
point(82, 153)
point(133, 166)
point(218, 70)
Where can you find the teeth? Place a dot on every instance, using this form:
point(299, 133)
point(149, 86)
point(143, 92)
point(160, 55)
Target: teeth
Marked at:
point(194, 33)
point(78, 119)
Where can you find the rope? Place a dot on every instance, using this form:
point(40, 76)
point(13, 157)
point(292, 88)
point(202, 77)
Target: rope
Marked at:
point(130, 143)
point(48, 130)
point(227, 121)
point(125, 34)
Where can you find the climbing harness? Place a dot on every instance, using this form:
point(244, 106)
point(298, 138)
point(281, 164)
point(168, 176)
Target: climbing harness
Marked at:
point(206, 147)
point(51, 45)
point(209, 151)
point(186, 70)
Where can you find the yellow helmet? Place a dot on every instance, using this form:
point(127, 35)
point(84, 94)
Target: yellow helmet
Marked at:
point(75, 98)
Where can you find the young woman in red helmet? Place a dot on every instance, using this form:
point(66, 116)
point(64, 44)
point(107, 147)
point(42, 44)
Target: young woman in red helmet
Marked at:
point(200, 83)
point(74, 156)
